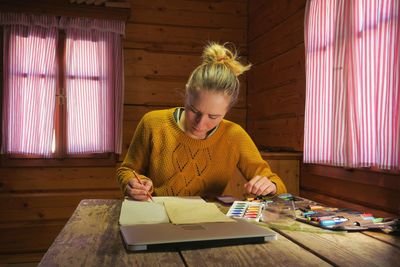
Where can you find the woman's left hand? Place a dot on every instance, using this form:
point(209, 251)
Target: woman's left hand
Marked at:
point(260, 185)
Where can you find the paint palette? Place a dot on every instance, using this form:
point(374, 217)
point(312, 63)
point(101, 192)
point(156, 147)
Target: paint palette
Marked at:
point(246, 210)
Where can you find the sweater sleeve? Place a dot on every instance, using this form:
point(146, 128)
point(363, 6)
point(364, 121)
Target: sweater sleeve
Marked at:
point(250, 162)
point(137, 157)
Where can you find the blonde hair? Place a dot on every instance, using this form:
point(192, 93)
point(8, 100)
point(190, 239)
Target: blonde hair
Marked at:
point(218, 72)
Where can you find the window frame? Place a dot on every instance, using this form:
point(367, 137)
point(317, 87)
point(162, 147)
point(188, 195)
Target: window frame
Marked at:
point(60, 158)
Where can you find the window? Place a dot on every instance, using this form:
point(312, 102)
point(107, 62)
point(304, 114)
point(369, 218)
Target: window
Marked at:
point(62, 87)
point(352, 115)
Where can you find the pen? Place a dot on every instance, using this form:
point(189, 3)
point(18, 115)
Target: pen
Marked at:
point(140, 182)
point(334, 221)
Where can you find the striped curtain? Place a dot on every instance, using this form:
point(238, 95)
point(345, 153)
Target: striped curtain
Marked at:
point(29, 84)
point(352, 115)
point(94, 84)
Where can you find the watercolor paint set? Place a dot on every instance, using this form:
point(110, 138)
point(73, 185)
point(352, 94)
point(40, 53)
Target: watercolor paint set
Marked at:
point(246, 210)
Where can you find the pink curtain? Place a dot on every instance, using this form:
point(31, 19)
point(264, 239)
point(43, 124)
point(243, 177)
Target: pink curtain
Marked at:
point(29, 84)
point(352, 83)
point(94, 84)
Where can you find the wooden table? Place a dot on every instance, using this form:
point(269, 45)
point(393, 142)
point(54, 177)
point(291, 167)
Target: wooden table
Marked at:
point(91, 238)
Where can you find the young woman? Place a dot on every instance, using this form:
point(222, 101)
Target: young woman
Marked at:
point(192, 150)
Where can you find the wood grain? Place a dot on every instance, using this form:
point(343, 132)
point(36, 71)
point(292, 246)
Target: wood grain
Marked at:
point(353, 192)
point(46, 206)
point(278, 71)
point(280, 39)
point(276, 84)
point(17, 180)
point(265, 16)
point(362, 176)
point(283, 100)
point(92, 238)
point(347, 249)
point(276, 101)
point(146, 64)
point(387, 238)
point(189, 14)
point(368, 195)
point(33, 237)
point(289, 172)
point(64, 8)
point(229, 7)
point(280, 252)
point(180, 39)
point(285, 131)
point(24, 259)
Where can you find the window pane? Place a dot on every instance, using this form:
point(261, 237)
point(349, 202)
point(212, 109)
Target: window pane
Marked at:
point(29, 90)
point(89, 91)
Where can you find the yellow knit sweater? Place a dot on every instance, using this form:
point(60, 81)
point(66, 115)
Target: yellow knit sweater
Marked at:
point(179, 165)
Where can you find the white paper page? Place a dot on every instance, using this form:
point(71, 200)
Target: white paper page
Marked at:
point(142, 212)
point(181, 212)
point(148, 212)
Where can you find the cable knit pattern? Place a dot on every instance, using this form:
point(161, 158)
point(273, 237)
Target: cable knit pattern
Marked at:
point(179, 165)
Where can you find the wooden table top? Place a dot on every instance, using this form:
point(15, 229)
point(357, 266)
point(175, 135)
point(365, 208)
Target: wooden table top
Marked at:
point(91, 238)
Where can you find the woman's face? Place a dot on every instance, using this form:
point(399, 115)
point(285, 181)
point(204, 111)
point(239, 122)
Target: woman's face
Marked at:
point(204, 110)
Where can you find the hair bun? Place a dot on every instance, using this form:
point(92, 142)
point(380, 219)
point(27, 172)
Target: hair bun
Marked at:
point(215, 53)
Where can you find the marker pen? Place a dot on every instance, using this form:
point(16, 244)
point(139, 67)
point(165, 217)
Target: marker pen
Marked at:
point(332, 222)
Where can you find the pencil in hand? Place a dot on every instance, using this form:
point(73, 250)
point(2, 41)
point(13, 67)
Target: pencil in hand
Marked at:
point(140, 182)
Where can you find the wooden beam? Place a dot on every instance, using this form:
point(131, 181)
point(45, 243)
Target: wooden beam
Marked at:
point(65, 8)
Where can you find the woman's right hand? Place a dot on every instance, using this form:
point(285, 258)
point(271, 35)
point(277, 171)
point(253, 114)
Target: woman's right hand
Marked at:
point(139, 191)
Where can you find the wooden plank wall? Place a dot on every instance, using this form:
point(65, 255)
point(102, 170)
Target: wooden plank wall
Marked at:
point(359, 189)
point(163, 43)
point(275, 95)
point(275, 115)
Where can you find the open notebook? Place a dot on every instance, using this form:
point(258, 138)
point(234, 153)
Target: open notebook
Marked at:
point(183, 222)
point(177, 210)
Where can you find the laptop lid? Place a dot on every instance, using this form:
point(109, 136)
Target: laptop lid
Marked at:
point(166, 235)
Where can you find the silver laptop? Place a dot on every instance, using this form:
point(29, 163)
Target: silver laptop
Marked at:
point(166, 235)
